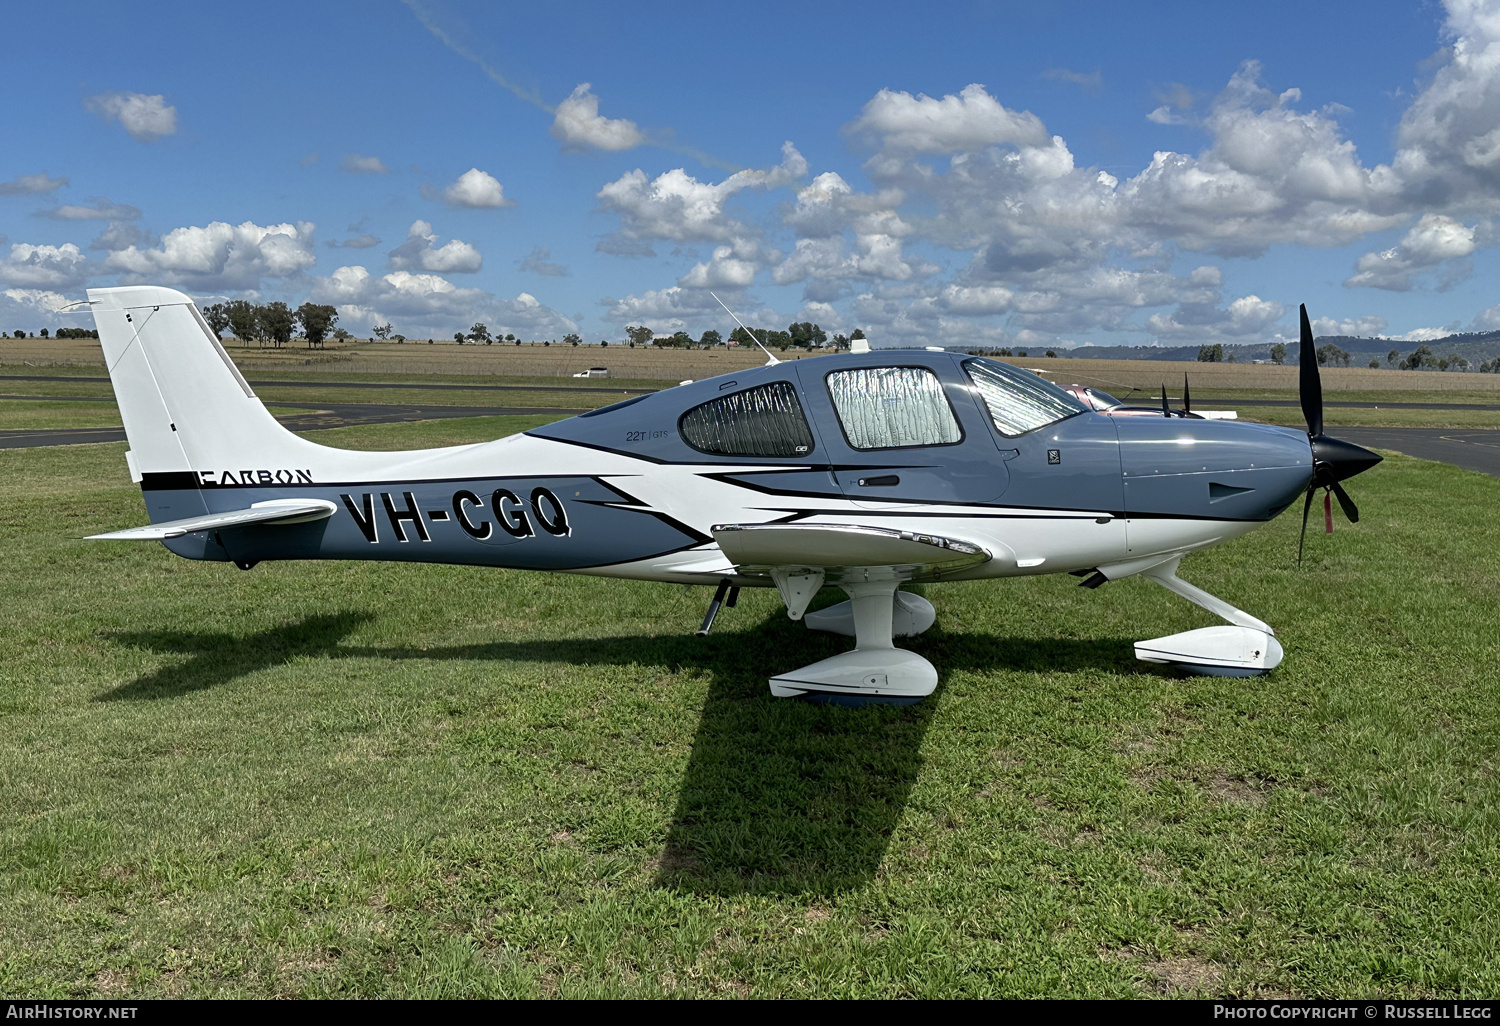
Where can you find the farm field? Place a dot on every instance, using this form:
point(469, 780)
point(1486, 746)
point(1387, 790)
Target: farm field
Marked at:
point(378, 780)
point(368, 360)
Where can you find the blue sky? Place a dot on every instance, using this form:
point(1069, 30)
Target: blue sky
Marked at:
point(1043, 174)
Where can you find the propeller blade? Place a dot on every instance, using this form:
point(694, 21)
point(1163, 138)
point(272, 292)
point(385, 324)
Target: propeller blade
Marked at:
point(1309, 381)
point(1166, 411)
point(1301, 538)
point(1345, 503)
point(1187, 405)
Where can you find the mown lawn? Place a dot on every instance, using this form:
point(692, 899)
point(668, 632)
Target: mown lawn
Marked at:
point(380, 780)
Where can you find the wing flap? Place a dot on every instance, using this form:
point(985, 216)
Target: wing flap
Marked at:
point(833, 547)
point(275, 511)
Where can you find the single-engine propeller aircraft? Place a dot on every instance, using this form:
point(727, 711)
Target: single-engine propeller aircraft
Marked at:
point(865, 471)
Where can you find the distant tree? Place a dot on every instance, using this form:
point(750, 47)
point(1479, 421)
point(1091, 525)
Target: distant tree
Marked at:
point(340, 334)
point(1458, 362)
point(841, 341)
point(1051, 355)
point(1393, 356)
point(316, 320)
point(1020, 352)
point(479, 333)
point(243, 320)
point(572, 339)
point(1229, 356)
point(217, 318)
point(639, 334)
point(44, 333)
point(20, 334)
point(711, 338)
point(1331, 355)
point(1211, 354)
point(512, 338)
point(458, 337)
point(1420, 358)
point(857, 333)
point(742, 337)
point(1443, 364)
point(276, 323)
point(1278, 353)
point(603, 342)
point(382, 331)
point(1005, 352)
point(1375, 364)
point(805, 334)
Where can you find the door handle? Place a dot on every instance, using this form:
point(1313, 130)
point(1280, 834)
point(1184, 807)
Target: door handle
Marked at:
point(883, 481)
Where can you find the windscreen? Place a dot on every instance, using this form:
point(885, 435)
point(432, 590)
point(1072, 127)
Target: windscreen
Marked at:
point(1019, 401)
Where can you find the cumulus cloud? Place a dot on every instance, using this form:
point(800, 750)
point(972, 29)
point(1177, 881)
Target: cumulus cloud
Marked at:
point(356, 164)
point(219, 256)
point(39, 300)
point(1246, 317)
point(1434, 239)
point(119, 235)
point(539, 261)
point(724, 269)
point(474, 189)
point(358, 242)
point(578, 125)
point(1368, 326)
point(29, 185)
point(420, 252)
point(665, 310)
point(677, 207)
point(972, 120)
point(102, 210)
point(146, 118)
point(46, 267)
point(430, 305)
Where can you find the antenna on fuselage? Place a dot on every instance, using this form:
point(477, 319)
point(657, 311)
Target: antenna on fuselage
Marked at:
point(770, 360)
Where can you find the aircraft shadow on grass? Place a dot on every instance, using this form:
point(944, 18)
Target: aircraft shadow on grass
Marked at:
point(778, 797)
point(219, 658)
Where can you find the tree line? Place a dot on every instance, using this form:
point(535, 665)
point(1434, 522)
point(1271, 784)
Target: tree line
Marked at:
point(273, 322)
point(798, 335)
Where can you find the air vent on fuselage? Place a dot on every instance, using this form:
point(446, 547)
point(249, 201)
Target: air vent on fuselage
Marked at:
point(1219, 492)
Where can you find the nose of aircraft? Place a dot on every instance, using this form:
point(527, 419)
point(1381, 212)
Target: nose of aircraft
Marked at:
point(1337, 460)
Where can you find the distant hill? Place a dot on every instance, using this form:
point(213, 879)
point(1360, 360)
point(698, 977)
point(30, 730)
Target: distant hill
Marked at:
point(1476, 347)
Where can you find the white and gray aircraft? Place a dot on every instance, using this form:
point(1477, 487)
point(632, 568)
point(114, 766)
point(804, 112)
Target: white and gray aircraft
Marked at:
point(863, 471)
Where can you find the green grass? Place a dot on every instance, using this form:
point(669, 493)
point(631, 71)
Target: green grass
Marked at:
point(359, 779)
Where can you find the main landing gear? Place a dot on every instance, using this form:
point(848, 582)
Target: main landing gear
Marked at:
point(876, 671)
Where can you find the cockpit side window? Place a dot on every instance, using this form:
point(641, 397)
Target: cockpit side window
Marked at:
point(892, 408)
point(763, 421)
point(1018, 401)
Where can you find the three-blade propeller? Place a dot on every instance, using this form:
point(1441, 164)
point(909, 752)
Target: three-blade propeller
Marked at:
point(1334, 460)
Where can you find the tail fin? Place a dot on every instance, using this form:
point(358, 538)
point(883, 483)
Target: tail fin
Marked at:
point(184, 403)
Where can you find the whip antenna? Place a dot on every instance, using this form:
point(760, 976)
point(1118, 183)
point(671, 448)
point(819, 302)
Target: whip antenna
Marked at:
point(770, 360)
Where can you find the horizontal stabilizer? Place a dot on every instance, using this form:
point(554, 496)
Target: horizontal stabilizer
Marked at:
point(842, 546)
point(275, 511)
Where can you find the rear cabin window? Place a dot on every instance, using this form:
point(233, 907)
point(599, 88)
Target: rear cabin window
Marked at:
point(1019, 401)
point(762, 421)
point(893, 408)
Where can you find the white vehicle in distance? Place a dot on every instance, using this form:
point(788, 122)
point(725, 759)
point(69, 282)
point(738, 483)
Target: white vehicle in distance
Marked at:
point(593, 372)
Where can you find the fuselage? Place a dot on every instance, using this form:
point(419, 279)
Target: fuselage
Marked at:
point(634, 490)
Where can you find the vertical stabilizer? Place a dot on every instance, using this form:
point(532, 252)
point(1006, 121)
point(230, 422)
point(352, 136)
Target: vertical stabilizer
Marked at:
point(184, 404)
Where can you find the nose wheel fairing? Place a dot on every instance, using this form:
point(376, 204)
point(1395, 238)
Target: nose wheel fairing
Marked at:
point(1245, 647)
